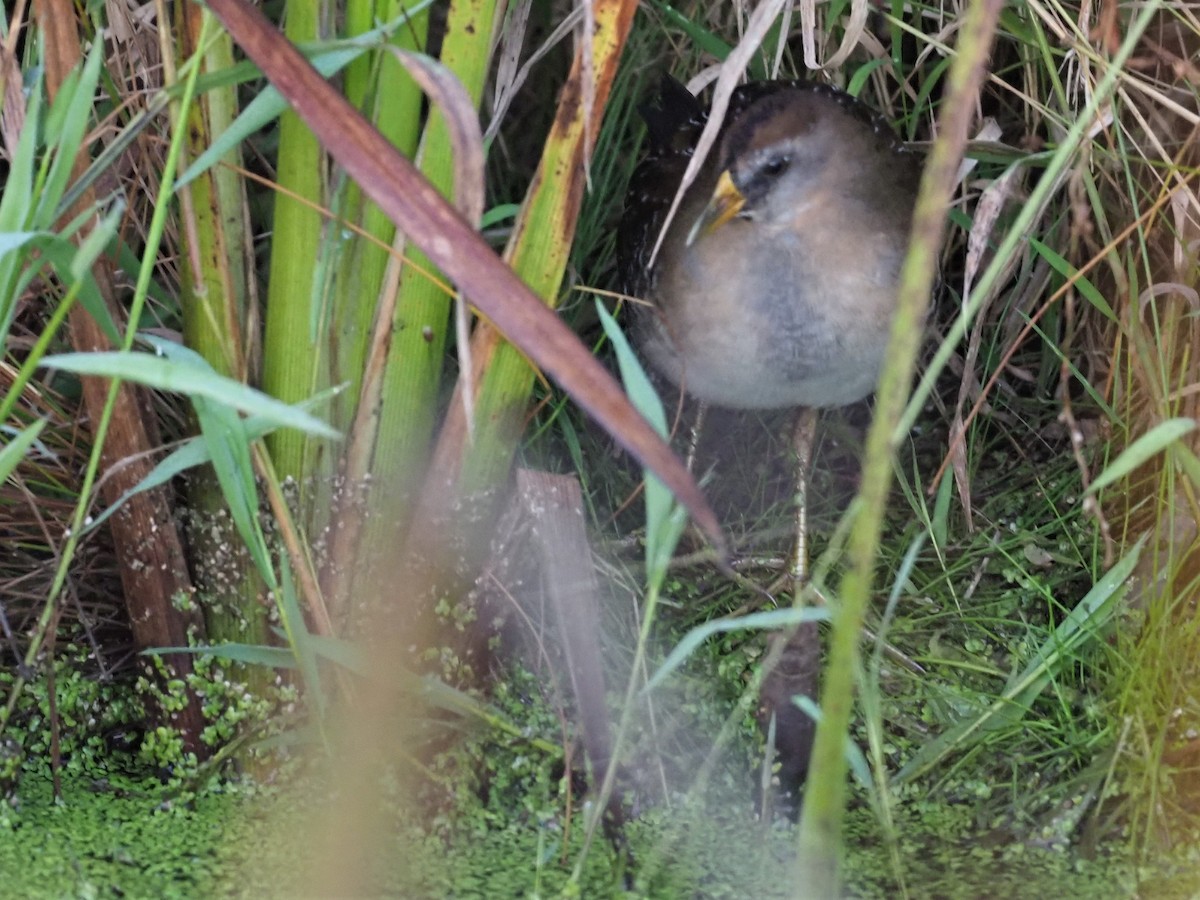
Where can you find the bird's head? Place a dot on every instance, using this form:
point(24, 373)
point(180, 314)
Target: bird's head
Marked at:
point(778, 151)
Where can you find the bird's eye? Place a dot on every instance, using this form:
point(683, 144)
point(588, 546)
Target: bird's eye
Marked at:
point(776, 166)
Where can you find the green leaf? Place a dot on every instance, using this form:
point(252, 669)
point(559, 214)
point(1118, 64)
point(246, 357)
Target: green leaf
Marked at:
point(941, 511)
point(97, 240)
point(771, 619)
point(859, 79)
point(1149, 445)
point(328, 58)
point(342, 652)
point(67, 260)
point(14, 450)
point(637, 382)
point(300, 639)
point(700, 36)
point(253, 654)
point(855, 758)
point(12, 241)
point(498, 214)
point(665, 519)
point(1187, 461)
point(72, 110)
point(194, 452)
point(17, 197)
point(1068, 271)
point(1086, 621)
point(229, 449)
point(190, 378)
point(62, 254)
point(260, 112)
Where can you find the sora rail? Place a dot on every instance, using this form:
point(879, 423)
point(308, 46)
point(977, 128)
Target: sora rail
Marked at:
point(775, 282)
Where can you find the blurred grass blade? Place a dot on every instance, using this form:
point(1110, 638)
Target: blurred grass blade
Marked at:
point(12, 241)
point(342, 652)
point(1188, 461)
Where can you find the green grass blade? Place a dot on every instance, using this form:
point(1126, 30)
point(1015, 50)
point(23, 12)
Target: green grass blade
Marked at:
point(1145, 448)
point(1082, 284)
point(665, 519)
point(14, 451)
point(252, 654)
point(68, 121)
point(1088, 618)
point(191, 453)
point(259, 113)
point(229, 450)
point(770, 620)
point(193, 379)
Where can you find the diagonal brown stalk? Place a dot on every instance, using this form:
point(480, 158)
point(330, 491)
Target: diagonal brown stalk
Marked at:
point(450, 242)
point(148, 545)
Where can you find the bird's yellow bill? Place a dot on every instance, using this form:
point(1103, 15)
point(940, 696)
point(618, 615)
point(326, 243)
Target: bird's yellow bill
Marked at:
point(727, 201)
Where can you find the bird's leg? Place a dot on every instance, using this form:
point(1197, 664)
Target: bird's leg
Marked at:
point(793, 665)
point(802, 442)
point(694, 436)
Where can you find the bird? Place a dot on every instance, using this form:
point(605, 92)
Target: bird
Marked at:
point(774, 284)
